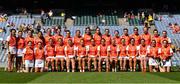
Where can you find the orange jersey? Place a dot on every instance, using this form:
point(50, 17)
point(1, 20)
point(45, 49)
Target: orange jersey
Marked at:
point(108, 39)
point(12, 41)
point(77, 40)
point(97, 39)
point(87, 39)
point(118, 40)
point(47, 37)
point(66, 40)
point(143, 50)
point(113, 50)
point(153, 52)
point(147, 38)
point(50, 50)
point(166, 52)
point(39, 53)
point(103, 50)
point(127, 39)
point(28, 53)
point(158, 40)
point(59, 50)
point(123, 51)
point(37, 40)
point(20, 43)
point(92, 50)
point(137, 39)
point(81, 51)
point(132, 50)
point(56, 37)
point(70, 50)
point(27, 39)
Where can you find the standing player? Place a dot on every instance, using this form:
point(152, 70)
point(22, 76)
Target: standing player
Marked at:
point(126, 36)
point(132, 53)
point(28, 58)
point(136, 36)
point(11, 43)
point(157, 38)
point(103, 55)
point(117, 37)
point(113, 51)
point(153, 55)
point(146, 36)
point(123, 54)
point(92, 55)
point(143, 50)
point(48, 36)
point(20, 47)
point(29, 37)
point(50, 53)
point(60, 54)
point(81, 53)
point(107, 37)
point(97, 36)
point(77, 38)
point(39, 57)
point(165, 37)
point(68, 36)
point(87, 36)
point(70, 52)
point(166, 54)
point(39, 38)
point(57, 36)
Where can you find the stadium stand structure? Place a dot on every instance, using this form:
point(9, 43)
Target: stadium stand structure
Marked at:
point(82, 22)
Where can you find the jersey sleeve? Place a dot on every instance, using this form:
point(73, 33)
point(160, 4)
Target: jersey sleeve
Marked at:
point(24, 51)
point(127, 48)
point(169, 40)
point(8, 38)
point(138, 47)
point(109, 48)
point(98, 48)
point(159, 50)
point(87, 48)
point(171, 51)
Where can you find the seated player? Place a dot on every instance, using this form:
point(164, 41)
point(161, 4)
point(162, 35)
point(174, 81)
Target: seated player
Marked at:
point(153, 56)
point(50, 53)
point(60, 54)
point(39, 57)
point(113, 51)
point(92, 55)
point(123, 54)
point(70, 52)
point(165, 56)
point(81, 53)
point(143, 49)
point(103, 55)
point(132, 53)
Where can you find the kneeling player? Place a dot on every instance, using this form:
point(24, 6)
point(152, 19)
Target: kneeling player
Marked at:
point(70, 52)
point(113, 51)
point(60, 54)
point(39, 57)
point(103, 55)
point(92, 55)
point(81, 53)
point(28, 58)
point(50, 53)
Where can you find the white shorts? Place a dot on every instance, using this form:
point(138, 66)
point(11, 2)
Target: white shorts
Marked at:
point(153, 62)
point(12, 50)
point(103, 57)
point(29, 63)
point(39, 63)
point(92, 56)
point(50, 57)
point(60, 56)
point(71, 56)
point(166, 64)
point(124, 57)
point(20, 52)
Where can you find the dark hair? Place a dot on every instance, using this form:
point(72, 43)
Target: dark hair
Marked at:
point(116, 31)
point(135, 28)
point(99, 30)
point(87, 29)
point(155, 30)
point(12, 30)
point(77, 31)
point(125, 29)
point(164, 31)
